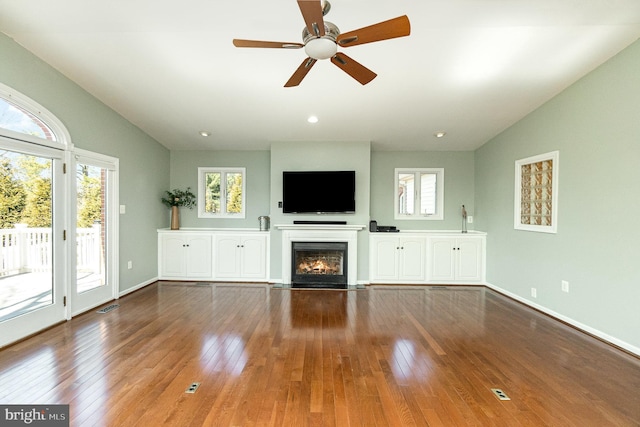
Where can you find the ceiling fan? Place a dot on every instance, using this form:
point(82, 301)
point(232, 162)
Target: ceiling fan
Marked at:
point(321, 40)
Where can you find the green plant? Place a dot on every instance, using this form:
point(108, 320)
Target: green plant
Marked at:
point(182, 198)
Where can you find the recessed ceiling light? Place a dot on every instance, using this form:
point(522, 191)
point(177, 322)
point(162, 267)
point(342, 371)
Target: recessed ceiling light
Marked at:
point(439, 134)
point(205, 133)
point(312, 119)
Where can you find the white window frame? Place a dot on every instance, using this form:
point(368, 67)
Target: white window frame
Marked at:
point(439, 215)
point(223, 190)
point(61, 134)
point(554, 156)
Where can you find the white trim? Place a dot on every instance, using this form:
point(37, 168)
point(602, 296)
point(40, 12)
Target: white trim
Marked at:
point(96, 159)
point(439, 215)
point(138, 286)
point(223, 195)
point(553, 228)
point(63, 138)
point(26, 324)
point(80, 303)
point(324, 227)
point(581, 326)
point(350, 236)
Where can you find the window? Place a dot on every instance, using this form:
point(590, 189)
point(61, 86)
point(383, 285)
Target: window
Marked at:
point(221, 192)
point(419, 193)
point(16, 118)
point(23, 119)
point(536, 190)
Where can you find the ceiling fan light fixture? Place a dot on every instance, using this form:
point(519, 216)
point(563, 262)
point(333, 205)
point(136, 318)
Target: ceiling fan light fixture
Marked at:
point(321, 48)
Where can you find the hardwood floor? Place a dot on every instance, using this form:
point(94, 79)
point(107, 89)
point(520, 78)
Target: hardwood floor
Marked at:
point(383, 356)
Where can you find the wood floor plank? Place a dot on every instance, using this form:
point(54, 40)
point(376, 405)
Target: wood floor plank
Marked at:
point(382, 356)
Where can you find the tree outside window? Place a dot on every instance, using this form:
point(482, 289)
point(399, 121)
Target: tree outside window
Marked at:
point(216, 200)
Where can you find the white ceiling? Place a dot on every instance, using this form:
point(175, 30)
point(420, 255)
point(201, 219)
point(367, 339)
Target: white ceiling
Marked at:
point(471, 68)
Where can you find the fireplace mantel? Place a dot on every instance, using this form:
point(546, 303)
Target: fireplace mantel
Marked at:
point(320, 233)
point(321, 227)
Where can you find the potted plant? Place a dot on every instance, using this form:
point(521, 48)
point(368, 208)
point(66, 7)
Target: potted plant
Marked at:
point(176, 199)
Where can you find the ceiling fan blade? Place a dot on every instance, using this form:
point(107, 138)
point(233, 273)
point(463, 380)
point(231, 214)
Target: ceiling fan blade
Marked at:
point(353, 68)
point(301, 72)
point(396, 27)
point(260, 43)
point(313, 17)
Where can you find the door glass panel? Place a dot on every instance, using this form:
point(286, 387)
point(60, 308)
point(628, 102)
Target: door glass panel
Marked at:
point(26, 244)
point(90, 227)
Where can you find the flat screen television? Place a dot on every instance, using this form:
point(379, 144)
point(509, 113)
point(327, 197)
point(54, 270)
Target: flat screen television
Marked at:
point(318, 192)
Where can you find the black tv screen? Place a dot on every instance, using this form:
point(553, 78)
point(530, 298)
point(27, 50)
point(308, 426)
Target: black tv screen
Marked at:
point(319, 192)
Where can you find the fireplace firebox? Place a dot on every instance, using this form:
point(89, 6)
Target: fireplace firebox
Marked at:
point(319, 265)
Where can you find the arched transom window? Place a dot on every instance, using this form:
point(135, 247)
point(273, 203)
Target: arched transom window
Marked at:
point(15, 118)
point(24, 119)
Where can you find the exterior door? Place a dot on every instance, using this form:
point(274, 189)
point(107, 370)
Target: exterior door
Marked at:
point(94, 232)
point(32, 233)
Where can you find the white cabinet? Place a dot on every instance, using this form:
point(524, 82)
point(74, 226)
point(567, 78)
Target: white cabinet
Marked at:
point(184, 255)
point(213, 254)
point(395, 258)
point(241, 256)
point(455, 259)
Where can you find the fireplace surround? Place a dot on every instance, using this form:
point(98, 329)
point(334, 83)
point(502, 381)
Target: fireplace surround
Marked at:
point(320, 233)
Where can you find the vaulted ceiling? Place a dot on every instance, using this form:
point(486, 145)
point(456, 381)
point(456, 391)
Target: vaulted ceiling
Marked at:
point(470, 68)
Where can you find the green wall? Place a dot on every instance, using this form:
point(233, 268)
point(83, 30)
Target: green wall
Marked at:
point(458, 186)
point(330, 155)
point(144, 163)
point(374, 186)
point(184, 173)
point(594, 124)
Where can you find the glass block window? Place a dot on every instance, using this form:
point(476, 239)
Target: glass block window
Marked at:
point(536, 203)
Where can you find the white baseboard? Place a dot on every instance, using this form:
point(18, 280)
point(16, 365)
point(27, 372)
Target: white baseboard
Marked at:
point(585, 328)
point(138, 286)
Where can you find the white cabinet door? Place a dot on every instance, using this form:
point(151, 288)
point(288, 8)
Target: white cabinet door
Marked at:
point(441, 261)
point(469, 262)
point(254, 257)
point(411, 259)
point(172, 260)
point(241, 256)
point(184, 256)
point(454, 259)
point(228, 256)
point(383, 262)
point(198, 256)
point(396, 259)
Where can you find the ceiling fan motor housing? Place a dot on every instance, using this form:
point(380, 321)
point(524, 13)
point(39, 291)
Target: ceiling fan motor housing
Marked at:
point(323, 47)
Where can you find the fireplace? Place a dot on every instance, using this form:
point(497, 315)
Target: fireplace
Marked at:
point(319, 264)
point(322, 233)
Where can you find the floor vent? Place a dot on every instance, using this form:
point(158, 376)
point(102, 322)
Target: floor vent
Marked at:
point(108, 308)
point(500, 394)
point(192, 388)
